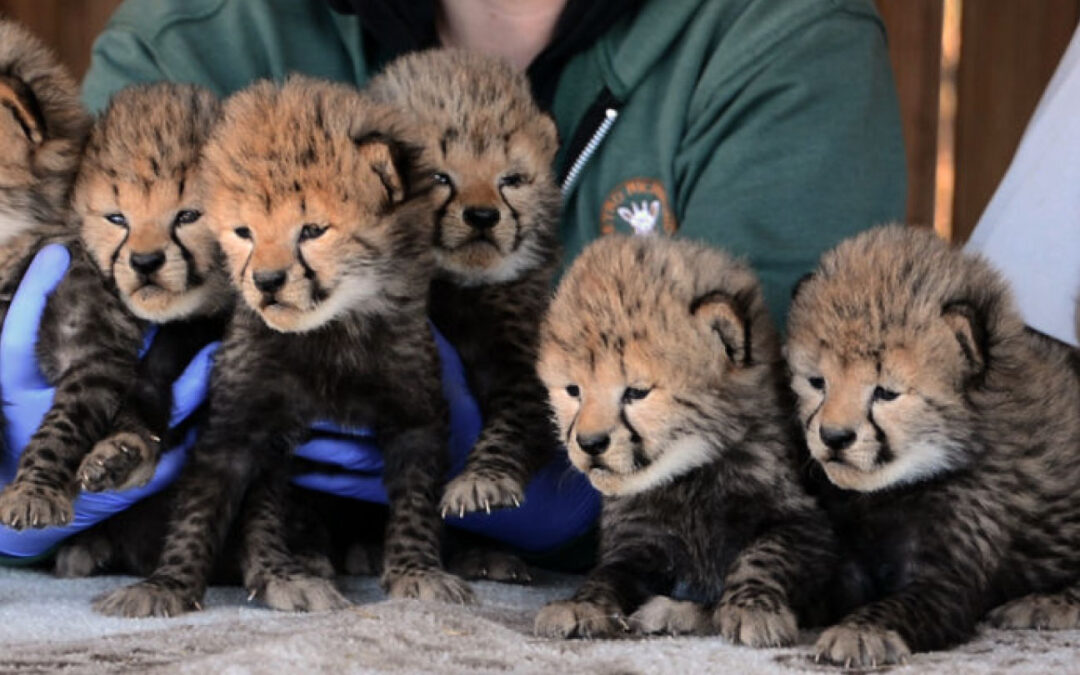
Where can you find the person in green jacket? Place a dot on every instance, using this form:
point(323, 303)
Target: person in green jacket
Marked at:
point(769, 128)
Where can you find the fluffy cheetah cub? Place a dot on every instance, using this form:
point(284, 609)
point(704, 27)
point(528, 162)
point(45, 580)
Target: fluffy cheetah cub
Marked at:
point(326, 227)
point(664, 375)
point(951, 438)
point(139, 196)
point(496, 246)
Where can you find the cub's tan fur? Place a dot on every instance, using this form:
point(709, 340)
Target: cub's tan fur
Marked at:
point(663, 370)
point(42, 130)
point(952, 437)
point(141, 170)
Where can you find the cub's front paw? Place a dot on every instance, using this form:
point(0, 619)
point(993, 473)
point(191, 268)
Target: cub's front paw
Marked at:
point(480, 491)
point(861, 646)
point(24, 505)
point(431, 585)
point(663, 616)
point(492, 565)
point(756, 625)
point(300, 593)
point(144, 599)
point(1037, 612)
point(569, 619)
point(123, 460)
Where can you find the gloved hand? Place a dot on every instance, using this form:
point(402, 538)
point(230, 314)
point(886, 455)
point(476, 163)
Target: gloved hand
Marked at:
point(559, 505)
point(27, 397)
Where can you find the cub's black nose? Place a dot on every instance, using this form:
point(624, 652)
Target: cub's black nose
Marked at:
point(593, 444)
point(147, 263)
point(837, 439)
point(269, 282)
point(481, 217)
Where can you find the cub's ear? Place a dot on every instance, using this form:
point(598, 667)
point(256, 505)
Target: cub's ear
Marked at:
point(389, 160)
point(964, 320)
point(720, 313)
point(800, 283)
point(19, 101)
point(548, 133)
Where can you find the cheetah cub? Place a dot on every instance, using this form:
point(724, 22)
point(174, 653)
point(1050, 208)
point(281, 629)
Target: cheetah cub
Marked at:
point(664, 375)
point(88, 342)
point(950, 436)
point(326, 228)
point(496, 247)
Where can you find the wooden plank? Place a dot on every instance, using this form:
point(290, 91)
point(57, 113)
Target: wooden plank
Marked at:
point(67, 26)
point(914, 30)
point(1009, 51)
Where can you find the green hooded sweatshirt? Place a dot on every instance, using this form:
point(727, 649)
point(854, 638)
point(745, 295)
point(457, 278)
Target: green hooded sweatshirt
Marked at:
point(767, 127)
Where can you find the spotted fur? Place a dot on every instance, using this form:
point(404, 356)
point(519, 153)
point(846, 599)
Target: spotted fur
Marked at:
point(326, 228)
point(950, 436)
point(664, 375)
point(497, 206)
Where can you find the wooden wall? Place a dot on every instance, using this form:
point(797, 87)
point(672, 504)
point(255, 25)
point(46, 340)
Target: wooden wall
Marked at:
point(1008, 52)
point(68, 25)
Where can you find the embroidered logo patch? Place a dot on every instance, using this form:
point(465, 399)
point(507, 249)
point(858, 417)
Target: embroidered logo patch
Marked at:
point(639, 206)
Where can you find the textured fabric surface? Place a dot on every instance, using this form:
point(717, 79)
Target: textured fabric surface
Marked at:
point(46, 625)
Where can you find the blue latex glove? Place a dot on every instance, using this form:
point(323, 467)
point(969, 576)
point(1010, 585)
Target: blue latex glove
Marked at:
point(27, 397)
point(559, 505)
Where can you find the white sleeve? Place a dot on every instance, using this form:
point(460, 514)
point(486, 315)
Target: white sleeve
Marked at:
point(1031, 228)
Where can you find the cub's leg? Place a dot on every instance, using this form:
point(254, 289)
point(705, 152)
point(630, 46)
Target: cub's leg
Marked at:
point(84, 555)
point(90, 344)
point(634, 566)
point(1040, 611)
point(270, 569)
point(941, 603)
point(777, 572)
point(415, 462)
point(482, 562)
point(128, 456)
point(517, 437)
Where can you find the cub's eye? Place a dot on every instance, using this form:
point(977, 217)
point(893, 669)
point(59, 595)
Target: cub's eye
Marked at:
point(634, 394)
point(187, 217)
point(883, 394)
point(817, 382)
point(310, 231)
point(440, 178)
point(573, 391)
point(511, 180)
point(243, 232)
point(116, 219)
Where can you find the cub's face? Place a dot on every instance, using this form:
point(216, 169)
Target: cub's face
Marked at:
point(152, 240)
point(875, 420)
point(308, 259)
point(140, 200)
point(646, 378)
point(496, 200)
point(308, 202)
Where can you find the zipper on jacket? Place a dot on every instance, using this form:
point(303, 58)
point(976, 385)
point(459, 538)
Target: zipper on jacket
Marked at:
point(594, 126)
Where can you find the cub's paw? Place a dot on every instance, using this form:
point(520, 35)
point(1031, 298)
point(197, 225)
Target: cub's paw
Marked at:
point(485, 563)
point(24, 505)
point(569, 619)
point(1037, 612)
point(123, 460)
point(861, 646)
point(480, 491)
point(297, 593)
point(145, 599)
point(364, 560)
point(430, 585)
point(82, 556)
point(663, 616)
point(756, 625)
